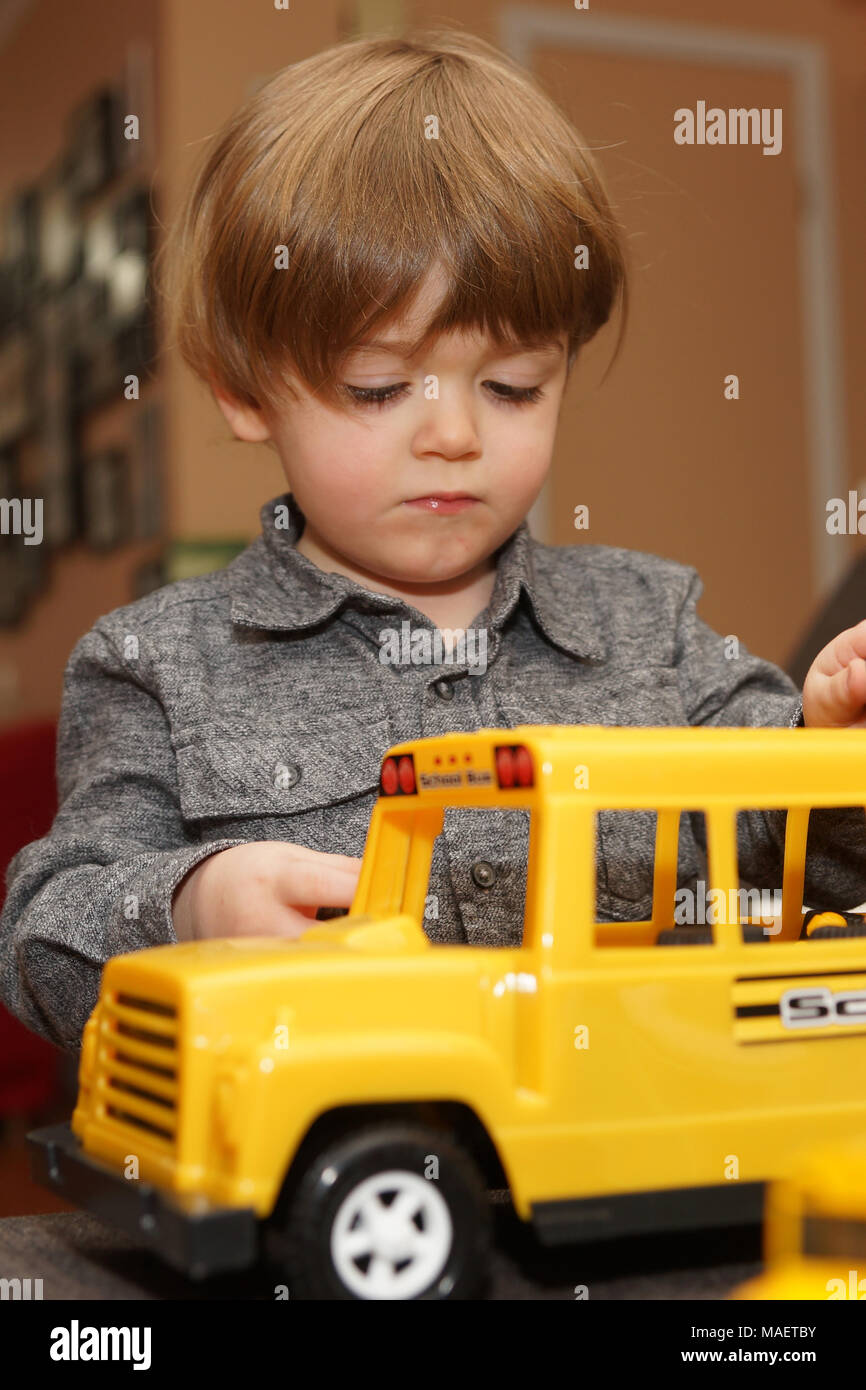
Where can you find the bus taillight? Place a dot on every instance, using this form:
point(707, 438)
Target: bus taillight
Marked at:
point(513, 765)
point(398, 776)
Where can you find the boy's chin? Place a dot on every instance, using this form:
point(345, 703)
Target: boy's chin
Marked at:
point(429, 564)
point(421, 575)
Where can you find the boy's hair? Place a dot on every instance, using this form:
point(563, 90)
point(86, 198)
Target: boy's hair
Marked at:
point(331, 159)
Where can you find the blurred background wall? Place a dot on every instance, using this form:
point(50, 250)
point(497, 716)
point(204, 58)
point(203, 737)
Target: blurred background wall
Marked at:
point(182, 68)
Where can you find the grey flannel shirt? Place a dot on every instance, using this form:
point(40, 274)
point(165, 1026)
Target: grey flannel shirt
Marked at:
point(253, 703)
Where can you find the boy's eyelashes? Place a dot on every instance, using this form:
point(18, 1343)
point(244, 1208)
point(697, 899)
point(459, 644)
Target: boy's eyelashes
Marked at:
point(499, 391)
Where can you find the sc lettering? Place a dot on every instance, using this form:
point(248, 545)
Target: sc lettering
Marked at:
point(816, 1008)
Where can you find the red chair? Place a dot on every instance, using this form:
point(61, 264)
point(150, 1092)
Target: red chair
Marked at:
point(29, 1066)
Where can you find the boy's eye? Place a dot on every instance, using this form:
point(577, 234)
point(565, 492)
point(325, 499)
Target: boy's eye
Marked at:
point(514, 395)
point(381, 395)
point(376, 395)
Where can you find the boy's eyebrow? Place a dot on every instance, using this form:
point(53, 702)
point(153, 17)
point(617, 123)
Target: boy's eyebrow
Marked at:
point(403, 347)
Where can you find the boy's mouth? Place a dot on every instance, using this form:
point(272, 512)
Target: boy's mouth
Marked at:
point(445, 503)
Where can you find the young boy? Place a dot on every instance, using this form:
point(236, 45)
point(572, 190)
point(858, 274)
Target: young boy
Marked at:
point(376, 274)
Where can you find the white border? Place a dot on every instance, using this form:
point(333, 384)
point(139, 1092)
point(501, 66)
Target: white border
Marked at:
point(521, 28)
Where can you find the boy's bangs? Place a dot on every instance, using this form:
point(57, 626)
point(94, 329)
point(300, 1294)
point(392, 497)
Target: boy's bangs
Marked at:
point(326, 202)
point(507, 255)
point(511, 303)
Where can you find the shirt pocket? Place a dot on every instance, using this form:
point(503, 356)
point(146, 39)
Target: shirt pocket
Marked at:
point(317, 776)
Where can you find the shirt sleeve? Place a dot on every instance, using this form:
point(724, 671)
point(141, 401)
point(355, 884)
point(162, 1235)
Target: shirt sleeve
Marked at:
point(724, 685)
point(101, 881)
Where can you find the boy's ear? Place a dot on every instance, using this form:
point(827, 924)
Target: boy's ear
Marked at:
point(245, 422)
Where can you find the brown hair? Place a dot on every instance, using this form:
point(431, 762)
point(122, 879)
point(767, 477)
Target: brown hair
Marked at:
point(330, 160)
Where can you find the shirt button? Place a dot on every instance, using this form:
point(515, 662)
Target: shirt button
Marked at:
point(290, 775)
point(484, 874)
point(444, 689)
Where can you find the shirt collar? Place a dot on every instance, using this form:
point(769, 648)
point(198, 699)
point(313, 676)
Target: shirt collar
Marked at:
point(275, 588)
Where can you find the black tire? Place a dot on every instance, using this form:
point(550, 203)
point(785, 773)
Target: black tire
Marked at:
point(337, 1171)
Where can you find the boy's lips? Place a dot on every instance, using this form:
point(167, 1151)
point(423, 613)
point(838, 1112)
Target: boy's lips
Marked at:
point(444, 503)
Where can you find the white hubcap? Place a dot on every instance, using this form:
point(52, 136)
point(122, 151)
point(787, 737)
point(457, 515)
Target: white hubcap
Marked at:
point(391, 1236)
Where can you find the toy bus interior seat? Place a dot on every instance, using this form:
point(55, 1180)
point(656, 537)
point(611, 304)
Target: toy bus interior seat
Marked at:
point(703, 936)
point(823, 925)
point(830, 925)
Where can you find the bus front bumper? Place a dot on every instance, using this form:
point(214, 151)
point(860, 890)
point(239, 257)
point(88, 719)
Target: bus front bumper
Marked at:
point(197, 1242)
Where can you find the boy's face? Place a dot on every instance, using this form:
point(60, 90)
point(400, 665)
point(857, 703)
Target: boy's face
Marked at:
point(422, 488)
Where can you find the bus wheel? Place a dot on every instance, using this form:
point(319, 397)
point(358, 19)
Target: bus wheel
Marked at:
point(390, 1211)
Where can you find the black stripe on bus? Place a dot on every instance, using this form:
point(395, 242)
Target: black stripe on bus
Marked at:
point(800, 975)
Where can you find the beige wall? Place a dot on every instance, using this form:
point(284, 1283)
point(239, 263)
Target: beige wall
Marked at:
point(212, 51)
point(664, 462)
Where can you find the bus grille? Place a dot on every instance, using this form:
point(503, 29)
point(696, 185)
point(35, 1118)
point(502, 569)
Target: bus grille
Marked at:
point(138, 1066)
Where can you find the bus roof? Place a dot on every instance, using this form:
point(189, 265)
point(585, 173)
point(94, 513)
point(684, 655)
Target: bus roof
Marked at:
point(689, 767)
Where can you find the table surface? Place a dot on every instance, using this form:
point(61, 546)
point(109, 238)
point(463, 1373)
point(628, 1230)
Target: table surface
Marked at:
point(78, 1257)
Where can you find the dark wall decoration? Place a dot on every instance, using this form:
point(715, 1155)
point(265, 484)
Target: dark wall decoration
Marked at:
point(76, 320)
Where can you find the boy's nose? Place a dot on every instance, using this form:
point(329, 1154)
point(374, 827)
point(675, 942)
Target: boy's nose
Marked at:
point(453, 439)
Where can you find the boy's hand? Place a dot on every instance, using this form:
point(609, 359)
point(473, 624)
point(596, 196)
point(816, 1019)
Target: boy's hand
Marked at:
point(266, 888)
point(834, 693)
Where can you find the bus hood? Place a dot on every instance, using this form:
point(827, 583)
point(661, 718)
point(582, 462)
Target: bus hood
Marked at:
point(362, 935)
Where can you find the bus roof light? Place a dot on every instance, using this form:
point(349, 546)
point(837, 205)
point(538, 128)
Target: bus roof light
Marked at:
point(398, 776)
point(513, 765)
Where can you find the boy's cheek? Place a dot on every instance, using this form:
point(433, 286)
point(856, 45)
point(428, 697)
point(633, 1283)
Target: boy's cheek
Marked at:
point(517, 492)
point(336, 487)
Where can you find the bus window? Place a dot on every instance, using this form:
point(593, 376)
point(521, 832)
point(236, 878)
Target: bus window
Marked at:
point(703, 898)
point(624, 857)
point(780, 910)
point(758, 905)
point(651, 877)
point(854, 822)
point(655, 884)
point(477, 888)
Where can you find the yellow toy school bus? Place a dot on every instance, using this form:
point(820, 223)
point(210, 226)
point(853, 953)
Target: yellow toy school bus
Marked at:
point(356, 1094)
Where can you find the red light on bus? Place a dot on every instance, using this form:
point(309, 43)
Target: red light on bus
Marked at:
point(398, 776)
point(523, 766)
point(505, 767)
point(513, 765)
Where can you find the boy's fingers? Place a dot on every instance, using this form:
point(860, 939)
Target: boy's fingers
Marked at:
point(345, 863)
point(840, 699)
point(312, 884)
point(854, 695)
point(289, 923)
point(846, 647)
point(276, 921)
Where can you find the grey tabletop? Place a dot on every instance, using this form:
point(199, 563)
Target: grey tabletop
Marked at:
point(77, 1257)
